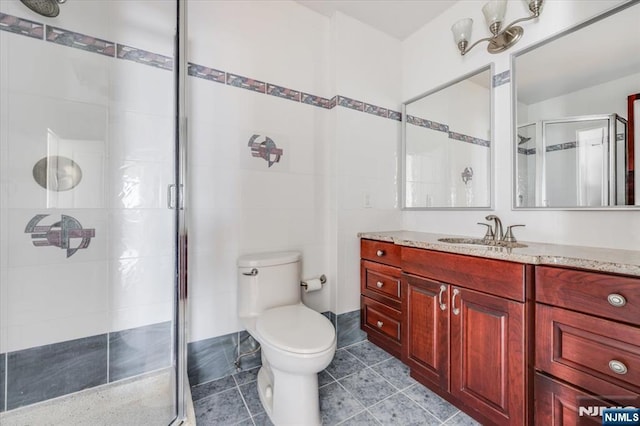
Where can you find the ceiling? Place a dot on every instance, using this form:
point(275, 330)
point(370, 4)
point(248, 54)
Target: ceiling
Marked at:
point(397, 18)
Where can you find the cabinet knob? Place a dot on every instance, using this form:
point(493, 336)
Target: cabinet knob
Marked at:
point(380, 324)
point(379, 284)
point(380, 253)
point(617, 367)
point(616, 300)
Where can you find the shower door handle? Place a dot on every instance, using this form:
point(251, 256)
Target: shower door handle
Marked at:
point(174, 197)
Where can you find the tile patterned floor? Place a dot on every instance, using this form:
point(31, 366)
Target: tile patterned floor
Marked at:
point(362, 386)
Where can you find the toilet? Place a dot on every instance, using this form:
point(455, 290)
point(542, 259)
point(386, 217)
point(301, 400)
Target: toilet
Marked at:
point(297, 342)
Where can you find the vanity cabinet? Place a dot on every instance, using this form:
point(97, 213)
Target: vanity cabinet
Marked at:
point(588, 338)
point(467, 322)
point(382, 295)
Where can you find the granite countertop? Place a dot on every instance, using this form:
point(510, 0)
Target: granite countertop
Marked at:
point(592, 258)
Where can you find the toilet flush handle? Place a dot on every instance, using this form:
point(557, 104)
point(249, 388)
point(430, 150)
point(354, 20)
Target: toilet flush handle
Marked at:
point(253, 273)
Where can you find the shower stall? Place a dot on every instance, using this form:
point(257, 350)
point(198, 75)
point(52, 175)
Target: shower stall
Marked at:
point(92, 233)
point(573, 162)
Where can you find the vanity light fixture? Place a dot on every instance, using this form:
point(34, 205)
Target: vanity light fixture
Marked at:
point(502, 39)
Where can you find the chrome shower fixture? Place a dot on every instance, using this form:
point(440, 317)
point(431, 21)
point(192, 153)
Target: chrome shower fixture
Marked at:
point(501, 39)
point(48, 8)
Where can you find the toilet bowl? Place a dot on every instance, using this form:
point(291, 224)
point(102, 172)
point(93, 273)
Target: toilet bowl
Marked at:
point(297, 342)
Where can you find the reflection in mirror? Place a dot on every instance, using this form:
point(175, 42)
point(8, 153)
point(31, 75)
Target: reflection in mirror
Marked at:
point(447, 145)
point(573, 147)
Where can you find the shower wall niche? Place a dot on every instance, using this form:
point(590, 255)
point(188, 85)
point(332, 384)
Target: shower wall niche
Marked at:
point(572, 162)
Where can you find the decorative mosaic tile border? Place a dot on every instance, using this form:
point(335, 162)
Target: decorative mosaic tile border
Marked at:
point(318, 101)
point(246, 83)
point(526, 151)
point(80, 41)
point(502, 78)
point(422, 122)
point(561, 146)
point(469, 139)
point(145, 57)
point(434, 125)
point(395, 115)
point(73, 39)
point(376, 110)
point(283, 92)
point(20, 26)
point(200, 71)
point(350, 103)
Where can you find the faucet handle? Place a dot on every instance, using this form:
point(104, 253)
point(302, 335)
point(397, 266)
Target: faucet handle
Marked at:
point(489, 235)
point(508, 235)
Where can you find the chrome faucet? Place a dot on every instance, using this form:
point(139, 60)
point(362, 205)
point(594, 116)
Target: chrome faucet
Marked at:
point(497, 233)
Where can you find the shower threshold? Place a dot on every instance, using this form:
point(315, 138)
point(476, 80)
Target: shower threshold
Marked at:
point(136, 401)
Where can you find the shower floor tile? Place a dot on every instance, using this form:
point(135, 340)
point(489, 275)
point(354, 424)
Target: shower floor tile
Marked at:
point(363, 386)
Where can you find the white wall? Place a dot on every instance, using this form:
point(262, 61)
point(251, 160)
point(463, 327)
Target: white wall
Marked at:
point(589, 101)
point(430, 58)
point(365, 148)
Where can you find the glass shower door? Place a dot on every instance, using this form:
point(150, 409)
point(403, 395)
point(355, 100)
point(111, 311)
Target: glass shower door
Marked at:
point(88, 245)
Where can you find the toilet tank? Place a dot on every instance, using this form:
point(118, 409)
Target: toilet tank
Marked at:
point(276, 283)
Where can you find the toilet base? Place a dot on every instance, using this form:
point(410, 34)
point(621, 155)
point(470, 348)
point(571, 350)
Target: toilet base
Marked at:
point(289, 399)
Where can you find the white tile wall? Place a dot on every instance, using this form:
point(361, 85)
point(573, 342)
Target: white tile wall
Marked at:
point(140, 233)
point(138, 136)
point(42, 297)
point(238, 204)
point(57, 71)
point(141, 89)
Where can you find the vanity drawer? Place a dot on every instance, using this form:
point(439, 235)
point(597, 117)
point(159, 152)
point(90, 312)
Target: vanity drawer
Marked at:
point(381, 280)
point(381, 252)
point(590, 292)
point(497, 277)
point(598, 355)
point(381, 319)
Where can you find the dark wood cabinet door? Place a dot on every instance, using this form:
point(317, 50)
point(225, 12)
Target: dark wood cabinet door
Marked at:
point(427, 339)
point(488, 370)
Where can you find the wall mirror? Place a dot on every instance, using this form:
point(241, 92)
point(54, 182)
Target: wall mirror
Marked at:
point(576, 143)
point(446, 144)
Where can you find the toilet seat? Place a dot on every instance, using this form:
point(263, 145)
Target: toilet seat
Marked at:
point(296, 329)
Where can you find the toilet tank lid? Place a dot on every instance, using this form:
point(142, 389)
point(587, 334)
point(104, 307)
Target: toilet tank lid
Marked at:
point(268, 259)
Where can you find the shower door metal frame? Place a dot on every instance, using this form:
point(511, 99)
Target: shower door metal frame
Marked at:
point(180, 275)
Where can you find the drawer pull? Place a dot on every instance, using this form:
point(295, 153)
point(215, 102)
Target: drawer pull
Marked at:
point(616, 300)
point(455, 310)
point(380, 324)
point(617, 367)
point(379, 284)
point(443, 306)
point(380, 253)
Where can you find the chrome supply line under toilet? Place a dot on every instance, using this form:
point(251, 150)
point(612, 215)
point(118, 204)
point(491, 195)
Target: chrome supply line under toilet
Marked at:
point(242, 355)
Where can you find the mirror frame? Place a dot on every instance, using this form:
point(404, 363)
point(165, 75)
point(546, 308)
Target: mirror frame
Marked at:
point(403, 142)
point(514, 113)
